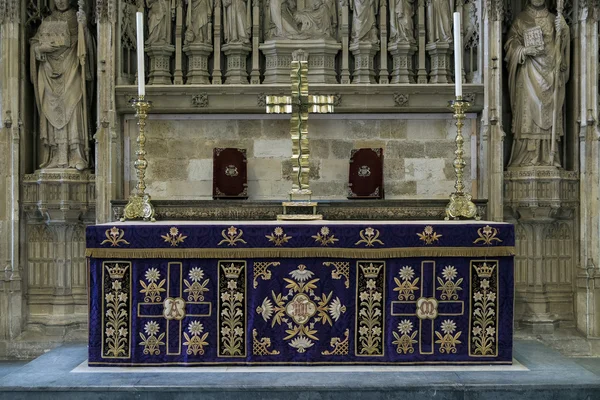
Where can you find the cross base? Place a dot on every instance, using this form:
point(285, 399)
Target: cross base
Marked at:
point(299, 205)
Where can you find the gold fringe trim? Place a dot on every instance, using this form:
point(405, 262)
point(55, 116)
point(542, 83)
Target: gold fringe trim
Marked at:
point(397, 252)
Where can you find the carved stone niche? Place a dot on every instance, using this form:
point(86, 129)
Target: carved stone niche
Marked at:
point(321, 59)
point(58, 205)
point(542, 202)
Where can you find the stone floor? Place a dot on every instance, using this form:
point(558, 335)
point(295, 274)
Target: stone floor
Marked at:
point(539, 373)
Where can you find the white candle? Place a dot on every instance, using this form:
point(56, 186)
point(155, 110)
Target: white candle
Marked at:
point(140, 54)
point(458, 65)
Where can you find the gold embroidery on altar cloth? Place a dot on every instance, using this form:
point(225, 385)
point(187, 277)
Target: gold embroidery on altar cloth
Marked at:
point(153, 342)
point(428, 235)
point(301, 309)
point(232, 236)
point(151, 289)
point(407, 287)
point(342, 268)
point(340, 346)
point(116, 312)
point(449, 340)
point(196, 290)
point(370, 299)
point(114, 236)
point(261, 269)
point(261, 347)
point(174, 237)
point(195, 343)
point(405, 341)
point(324, 238)
point(278, 237)
point(483, 321)
point(232, 308)
point(487, 235)
point(447, 285)
point(369, 237)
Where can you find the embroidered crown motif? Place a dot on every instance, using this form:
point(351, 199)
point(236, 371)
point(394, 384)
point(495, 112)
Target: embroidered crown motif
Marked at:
point(372, 271)
point(232, 271)
point(484, 270)
point(117, 271)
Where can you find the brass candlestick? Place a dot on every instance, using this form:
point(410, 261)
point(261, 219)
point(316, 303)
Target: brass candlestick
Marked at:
point(139, 205)
point(460, 204)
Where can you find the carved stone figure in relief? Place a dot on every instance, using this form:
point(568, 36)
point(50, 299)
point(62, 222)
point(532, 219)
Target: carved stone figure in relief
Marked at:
point(439, 21)
point(538, 70)
point(364, 22)
point(199, 21)
point(236, 21)
point(401, 21)
point(60, 71)
point(315, 21)
point(159, 22)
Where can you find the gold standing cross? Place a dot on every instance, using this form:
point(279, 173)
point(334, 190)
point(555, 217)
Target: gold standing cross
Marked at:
point(299, 105)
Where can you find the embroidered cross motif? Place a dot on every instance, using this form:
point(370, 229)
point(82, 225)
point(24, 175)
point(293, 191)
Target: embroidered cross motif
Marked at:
point(174, 309)
point(427, 308)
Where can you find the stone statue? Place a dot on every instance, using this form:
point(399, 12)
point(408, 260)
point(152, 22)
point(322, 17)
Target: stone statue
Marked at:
point(439, 21)
point(198, 21)
point(537, 73)
point(236, 21)
point(314, 22)
point(159, 22)
point(364, 22)
point(401, 21)
point(62, 64)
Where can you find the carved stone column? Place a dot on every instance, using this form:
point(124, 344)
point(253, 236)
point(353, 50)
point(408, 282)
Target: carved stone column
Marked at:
point(160, 64)
point(198, 55)
point(58, 204)
point(439, 53)
point(236, 55)
point(402, 55)
point(543, 204)
point(321, 59)
point(364, 55)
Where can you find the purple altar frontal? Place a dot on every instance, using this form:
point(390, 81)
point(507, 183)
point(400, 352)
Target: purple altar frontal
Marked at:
point(284, 293)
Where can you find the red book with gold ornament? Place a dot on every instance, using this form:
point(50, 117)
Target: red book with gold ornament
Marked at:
point(366, 174)
point(230, 178)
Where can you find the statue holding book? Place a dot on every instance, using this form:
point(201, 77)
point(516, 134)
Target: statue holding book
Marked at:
point(538, 69)
point(61, 68)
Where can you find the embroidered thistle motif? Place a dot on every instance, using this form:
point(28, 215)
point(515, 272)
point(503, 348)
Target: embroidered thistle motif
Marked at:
point(369, 237)
point(487, 235)
point(483, 326)
point(196, 289)
point(449, 340)
point(116, 315)
point(342, 268)
point(232, 307)
point(153, 342)
point(114, 236)
point(261, 269)
point(174, 237)
point(370, 316)
point(261, 347)
point(405, 341)
point(301, 309)
point(447, 285)
point(324, 238)
point(195, 343)
point(278, 237)
point(340, 346)
point(232, 237)
point(151, 289)
point(428, 235)
point(407, 287)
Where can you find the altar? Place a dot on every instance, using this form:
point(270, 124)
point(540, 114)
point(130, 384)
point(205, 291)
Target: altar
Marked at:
point(321, 292)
